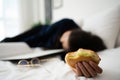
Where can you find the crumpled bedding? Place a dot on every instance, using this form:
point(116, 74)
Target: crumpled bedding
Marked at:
point(55, 69)
point(48, 70)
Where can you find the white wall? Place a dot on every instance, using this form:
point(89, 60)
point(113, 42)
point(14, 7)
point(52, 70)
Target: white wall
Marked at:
point(79, 9)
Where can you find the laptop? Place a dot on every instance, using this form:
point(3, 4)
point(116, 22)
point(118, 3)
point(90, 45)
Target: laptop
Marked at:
point(20, 50)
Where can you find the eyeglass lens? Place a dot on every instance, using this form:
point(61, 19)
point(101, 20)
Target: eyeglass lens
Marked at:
point(35, 61)
point(23, 62)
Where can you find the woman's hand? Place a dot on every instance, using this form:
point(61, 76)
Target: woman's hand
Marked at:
point(87, 69)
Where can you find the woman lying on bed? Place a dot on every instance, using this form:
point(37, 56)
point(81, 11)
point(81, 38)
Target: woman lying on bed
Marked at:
point(64, 34)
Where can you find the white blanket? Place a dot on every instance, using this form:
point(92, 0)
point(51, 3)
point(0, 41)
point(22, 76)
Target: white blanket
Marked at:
point(55, 69)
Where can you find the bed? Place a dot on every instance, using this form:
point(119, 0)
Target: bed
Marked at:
point(55, 69)
point(106, 25)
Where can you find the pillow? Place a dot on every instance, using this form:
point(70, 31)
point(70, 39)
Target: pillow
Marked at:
point(106, 25)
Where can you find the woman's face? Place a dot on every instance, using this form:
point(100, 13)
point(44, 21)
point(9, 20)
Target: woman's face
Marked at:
point(64, 40)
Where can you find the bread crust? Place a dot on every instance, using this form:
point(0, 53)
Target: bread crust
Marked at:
point(78, 58)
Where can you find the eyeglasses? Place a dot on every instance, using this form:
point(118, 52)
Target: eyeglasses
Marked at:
point(33, 62)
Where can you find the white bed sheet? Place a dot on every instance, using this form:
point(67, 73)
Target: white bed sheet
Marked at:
point(55, 69)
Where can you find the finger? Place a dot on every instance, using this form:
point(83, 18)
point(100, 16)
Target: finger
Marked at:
point(95, 67)
point(79, 72)
point(83, 70)
point(75, 71)
point(89, 69)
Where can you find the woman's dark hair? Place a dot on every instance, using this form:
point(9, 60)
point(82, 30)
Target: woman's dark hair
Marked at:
point(81, 39)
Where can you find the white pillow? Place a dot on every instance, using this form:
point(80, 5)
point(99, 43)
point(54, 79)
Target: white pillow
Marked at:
point(106, 25)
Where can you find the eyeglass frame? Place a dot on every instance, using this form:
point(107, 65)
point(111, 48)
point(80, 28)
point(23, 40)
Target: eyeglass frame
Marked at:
point(29, 62)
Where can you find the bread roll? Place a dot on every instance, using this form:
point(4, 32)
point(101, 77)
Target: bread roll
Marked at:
point(72, 58)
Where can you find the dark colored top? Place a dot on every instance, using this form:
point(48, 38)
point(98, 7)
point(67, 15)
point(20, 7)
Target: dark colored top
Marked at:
point(47, 36)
